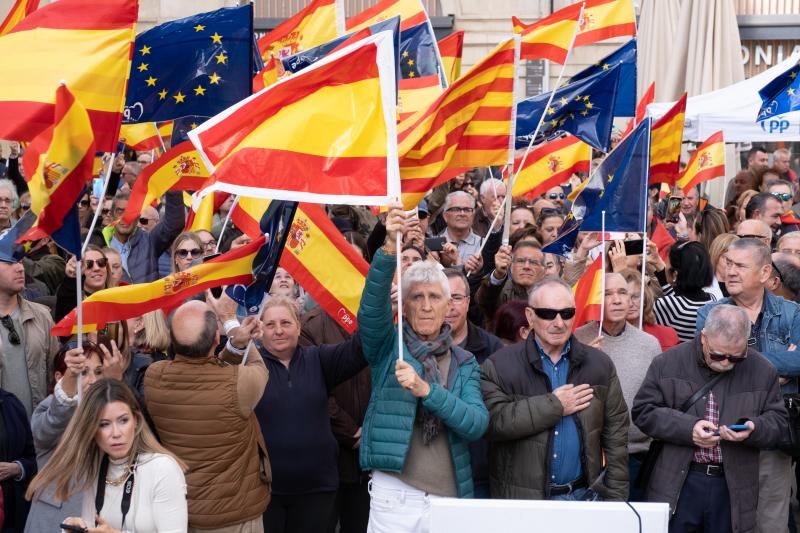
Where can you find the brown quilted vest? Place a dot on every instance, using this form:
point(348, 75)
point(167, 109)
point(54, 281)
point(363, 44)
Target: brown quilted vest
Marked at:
point(195, 408)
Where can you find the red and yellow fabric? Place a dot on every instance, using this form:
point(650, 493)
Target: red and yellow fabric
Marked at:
point(415, 94)
point(85, 43)
point(202, 218)
point(20, 10)
point(641, 109)
point(180, 169)
point(122, 303)
point(451, 48)
point(325, 134)
point(662, 239)
point(604, 19)
point(467, 126)
point(550, 165)
point(707, 162)
point(588, 294)
point(666, 138)
point(411, 13)
point(140, 137)
point(551, 37)
point(59, 163)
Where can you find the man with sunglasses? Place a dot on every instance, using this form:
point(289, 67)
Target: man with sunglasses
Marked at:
point(557, 196)
point(782, 190)
point(707, 469)
point(558, 426)
point(775, 330)
point(766, 208)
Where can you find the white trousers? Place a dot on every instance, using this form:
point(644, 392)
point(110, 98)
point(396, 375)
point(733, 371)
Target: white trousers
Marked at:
point(396, 507)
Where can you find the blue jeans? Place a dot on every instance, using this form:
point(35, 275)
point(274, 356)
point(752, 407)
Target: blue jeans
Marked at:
point(578, 495)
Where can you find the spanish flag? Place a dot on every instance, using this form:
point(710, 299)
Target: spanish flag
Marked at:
point(641, 109)
point(588, 294)
point(551, 37)
point(59, 163)
point(85, 43)
point(179, 169)
point(202, 217)
point(20, 10)
point(140, 137)
point(128, 301)
point(551, 164)
point(414, 94)
point(411, 14)
point(325, 134)
point(707, 162)
point(665, 144)
point(469, 125)
point(452, 48)
point(604, 19)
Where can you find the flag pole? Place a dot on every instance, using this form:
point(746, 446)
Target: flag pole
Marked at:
point(225, 224)
point(602, 272)
point(99, 202)
point(79, 311)
point(646, 200)
point(398, 247)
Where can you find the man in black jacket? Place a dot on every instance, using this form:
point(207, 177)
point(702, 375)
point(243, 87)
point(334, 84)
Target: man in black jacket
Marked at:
point(706, 471)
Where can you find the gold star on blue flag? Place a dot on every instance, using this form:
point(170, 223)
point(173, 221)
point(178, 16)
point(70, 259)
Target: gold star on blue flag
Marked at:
point(781, 95)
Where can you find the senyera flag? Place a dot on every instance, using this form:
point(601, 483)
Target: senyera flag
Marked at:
point(20, 10)
point(84, 43)
point(326, 134)
point(707, 162)
point(128, 301)
point(550, 165)
point(665, 144)
point(551, 37)
point(588, 294)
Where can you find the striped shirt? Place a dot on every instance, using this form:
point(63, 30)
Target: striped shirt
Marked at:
point(679, 313)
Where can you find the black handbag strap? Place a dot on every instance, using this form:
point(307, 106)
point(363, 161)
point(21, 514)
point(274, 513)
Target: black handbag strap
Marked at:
point(701, 392)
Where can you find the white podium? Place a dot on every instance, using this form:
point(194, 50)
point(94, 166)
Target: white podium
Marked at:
point(452, 515)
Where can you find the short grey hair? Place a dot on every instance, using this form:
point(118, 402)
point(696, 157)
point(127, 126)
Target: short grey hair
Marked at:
point(782, 151)
point(7, 184)
point(424, 272)
point(490, 183)
point(457, 194)
point(761, 252)
point(728, 322)
point(547, 282)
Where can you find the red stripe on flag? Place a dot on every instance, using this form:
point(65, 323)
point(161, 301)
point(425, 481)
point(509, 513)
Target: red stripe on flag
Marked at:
point(601, 34)
point(544, 51)
point(557, 179)
point(71, 15)
point(705, 175)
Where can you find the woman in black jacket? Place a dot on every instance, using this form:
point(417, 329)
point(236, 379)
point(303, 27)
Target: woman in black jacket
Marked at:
point(17, 462)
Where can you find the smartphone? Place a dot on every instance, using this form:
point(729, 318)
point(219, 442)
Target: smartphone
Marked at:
point(634, 247)
point(734, 427)
point(673, 208)
point(435, 244)
point(77, 529)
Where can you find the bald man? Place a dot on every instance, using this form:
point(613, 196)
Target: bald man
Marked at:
point(202, 409)
point(755, 229)
point(149, 218)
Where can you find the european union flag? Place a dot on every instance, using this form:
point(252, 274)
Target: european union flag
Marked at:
point(10, 251)
point(182, 126)
point(625, 57)
point(781, 95)
point(584, 108)
point(418, 52)
point(197, 65)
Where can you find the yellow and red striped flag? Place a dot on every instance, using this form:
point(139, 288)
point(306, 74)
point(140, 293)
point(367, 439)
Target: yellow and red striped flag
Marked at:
point(411, 13)
point(641, 109)
point(707, 162)
point(20, 10)
point(326, 134)
point(180, 169)
point(201, 215)
point(139, 137)
point(85, 43)
point(59, 163)
point(451, 49)
point(666, 138)
point(550, 165)
point(414, 94)
point(588, 294)
point(604, 19)
point(467, 126)
point(128, 301)
point(551, 37)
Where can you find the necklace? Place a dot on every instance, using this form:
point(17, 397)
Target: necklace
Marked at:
point(120, 480)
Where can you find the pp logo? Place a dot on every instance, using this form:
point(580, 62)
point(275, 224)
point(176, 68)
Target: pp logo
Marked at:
point(775, 125)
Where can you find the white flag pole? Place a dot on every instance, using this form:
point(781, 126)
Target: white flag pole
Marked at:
point(398, 250)
point(603, 271)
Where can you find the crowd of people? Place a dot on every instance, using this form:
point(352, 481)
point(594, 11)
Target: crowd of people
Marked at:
point(285, 422)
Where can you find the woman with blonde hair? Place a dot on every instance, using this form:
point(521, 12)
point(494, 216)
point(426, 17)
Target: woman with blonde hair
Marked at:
point(717, 250)
point(186, 249)
point(127, 480)
point(666, 335)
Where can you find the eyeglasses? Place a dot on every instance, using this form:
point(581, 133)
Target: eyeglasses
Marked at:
point(24, 207)
point(464, 210)
point(422, 215)
point(13, 336)
point(209, 244)
point(101, 263)
point(782, 196)
point(546, 313)
point(733, 359)
point(527, 261)
point(8, 201)
point(105, 211)
point(183, 253)
point(554, 195)
point(459, 298)
point(85, 203)
point(145, 221)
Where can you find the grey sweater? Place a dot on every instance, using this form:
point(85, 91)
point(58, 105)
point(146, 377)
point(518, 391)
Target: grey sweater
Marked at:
point(632, 352)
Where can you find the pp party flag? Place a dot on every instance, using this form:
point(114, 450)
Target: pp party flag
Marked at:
point(59, 163)
point(452, 48)
point(326, 134)
point(604, 19)
point(182, 126)
point(197, 65)
point(584, 108)
point(549, 165)
point(641, 109)
point(707, 162)
point(625, 57)
point(179, 169)
point(469, 125)
point(20, 10)
point(665, 144)
point(588, 294)
point(128, 301)
point(139, 137)
point(551, 37)
point(781, 95)
point(84, 43)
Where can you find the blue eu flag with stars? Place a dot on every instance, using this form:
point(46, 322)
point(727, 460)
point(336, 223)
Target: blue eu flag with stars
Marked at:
point(197, 65)
point(418, 52)
point(625, 56)
point(781, 95)
point(584, 108)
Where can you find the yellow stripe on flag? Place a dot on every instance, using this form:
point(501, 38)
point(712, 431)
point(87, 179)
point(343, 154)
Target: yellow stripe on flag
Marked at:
point(707, 162)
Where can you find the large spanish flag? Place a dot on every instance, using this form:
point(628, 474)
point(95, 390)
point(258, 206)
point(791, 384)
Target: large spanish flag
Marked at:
point(20, 10)
point(550, 165)
point(326, 134)
point(201, 214)
point(665, 144)
point(85, 43)
point(59, 163)
point(179, 169)
point(452, 48)
point(604, 19)
point(707, 162)
point(128, 301)
point(551, 37)
point(469, 125)
point(411, 13)
point(588, 294)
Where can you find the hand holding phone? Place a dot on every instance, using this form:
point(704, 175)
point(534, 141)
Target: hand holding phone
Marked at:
point(673, 208)
point(76, 529)
point(735, 427)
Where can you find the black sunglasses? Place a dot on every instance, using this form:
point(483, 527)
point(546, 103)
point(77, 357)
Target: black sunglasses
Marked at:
point(24, 207)
point(102, 263)
point(13, 336)
point(784, 196)
point(144, 221)
point(550, 314)
point(105, 211)
point(554, 195)
point(183, 254)
point(733, 359)
point(85, 203)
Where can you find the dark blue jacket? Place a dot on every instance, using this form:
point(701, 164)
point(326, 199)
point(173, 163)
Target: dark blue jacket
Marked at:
point(16, 444)
point(293, 414)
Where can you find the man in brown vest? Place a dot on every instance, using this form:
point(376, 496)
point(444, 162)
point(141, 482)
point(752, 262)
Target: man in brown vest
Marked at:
point(202, 408)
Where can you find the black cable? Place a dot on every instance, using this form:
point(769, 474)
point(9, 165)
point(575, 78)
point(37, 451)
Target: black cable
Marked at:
point(638, 518)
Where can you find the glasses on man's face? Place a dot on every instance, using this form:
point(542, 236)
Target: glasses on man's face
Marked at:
point(556, 195)
point(545, 313)
point(144, 221)
point(527, 261)
point(782, 196)
point(184, 253)
point(731, 358)
point(459, 298)
point(13, 336)
point(90, 263)
point(461, 210)
point(209, 244)
point(6, 201)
